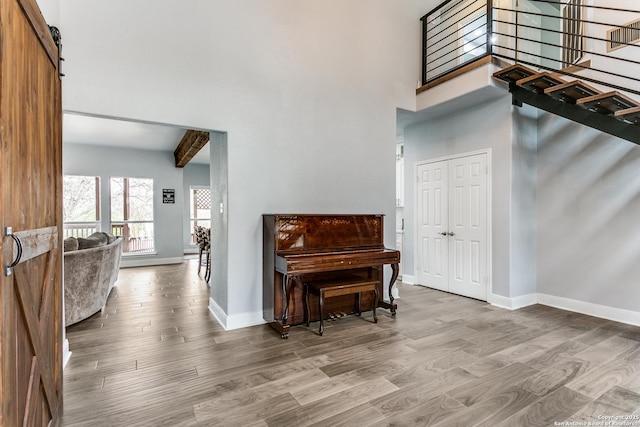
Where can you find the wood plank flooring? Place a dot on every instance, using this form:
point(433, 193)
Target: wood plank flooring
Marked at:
point(156, 357)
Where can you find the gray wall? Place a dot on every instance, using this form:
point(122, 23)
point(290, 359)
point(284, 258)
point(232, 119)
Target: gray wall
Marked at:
point(588, 205)
point(193, 175)
point(50, 10)
point(309, 114)
point(107, 162)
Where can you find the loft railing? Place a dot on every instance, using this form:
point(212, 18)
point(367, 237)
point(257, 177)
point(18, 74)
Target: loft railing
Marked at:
point(597, 44)
point(454, 34)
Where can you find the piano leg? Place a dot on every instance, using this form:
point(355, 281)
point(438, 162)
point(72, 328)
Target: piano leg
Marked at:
point(394, 276)
point(286, 293)
point(305, 302)
point(375, 303)
point(390, 305)
point(321, 311)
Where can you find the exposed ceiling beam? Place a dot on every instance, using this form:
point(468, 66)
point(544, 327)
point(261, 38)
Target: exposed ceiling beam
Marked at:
point(190, 144)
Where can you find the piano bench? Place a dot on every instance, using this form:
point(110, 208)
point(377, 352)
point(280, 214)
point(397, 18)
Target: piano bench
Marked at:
point(334, 288)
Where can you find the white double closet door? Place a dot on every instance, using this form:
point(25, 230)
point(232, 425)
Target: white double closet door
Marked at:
point(452, 240)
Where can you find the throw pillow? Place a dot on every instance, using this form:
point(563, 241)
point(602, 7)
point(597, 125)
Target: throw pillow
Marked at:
point(91, 242)
point(70, 244)
point(100, 236)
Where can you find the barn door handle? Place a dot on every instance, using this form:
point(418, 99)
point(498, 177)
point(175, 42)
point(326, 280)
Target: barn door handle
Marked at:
point(8, 232)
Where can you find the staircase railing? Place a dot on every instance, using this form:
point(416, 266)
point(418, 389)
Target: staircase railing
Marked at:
point(597, 44)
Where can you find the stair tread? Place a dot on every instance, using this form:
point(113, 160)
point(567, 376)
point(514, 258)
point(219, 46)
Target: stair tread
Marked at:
point(630, 114)
point(571, 91)
point(607, 103)
point(513, 73)
point(539, 82)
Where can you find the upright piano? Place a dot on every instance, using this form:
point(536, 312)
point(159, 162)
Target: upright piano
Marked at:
point(300, 248)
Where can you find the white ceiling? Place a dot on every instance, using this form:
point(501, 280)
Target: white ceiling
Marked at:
point(91, 130)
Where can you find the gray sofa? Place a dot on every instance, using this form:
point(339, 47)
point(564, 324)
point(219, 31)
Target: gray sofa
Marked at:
point(91, 268)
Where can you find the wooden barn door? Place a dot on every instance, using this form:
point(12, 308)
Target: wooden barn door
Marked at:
point(30, 219)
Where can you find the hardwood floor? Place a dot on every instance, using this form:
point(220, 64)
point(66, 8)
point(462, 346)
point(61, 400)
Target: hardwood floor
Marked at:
point(157, 357)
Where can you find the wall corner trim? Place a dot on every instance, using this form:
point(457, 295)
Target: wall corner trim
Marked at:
point(235, 321)
point(66, 353)
point(513, 303)
point(218, 313)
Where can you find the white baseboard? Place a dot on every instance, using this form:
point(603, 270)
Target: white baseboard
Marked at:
point(512, 303)
point(408, 279)
point(243, 320)
point(127, 262)
point(66, 354)
point(395, 292)
point(590, 309)
point(235, 321)
point(218, 313)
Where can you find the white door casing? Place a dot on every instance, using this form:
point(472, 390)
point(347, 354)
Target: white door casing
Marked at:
point(452, 233)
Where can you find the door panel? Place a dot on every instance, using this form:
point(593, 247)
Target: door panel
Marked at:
point(452, 230)
point(30, 195)
point(469, 261)
point(433, 250)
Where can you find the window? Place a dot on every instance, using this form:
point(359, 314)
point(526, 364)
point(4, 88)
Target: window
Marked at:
point(132, 213)
point(81, 205)
point(200, 203)
point(473, 37)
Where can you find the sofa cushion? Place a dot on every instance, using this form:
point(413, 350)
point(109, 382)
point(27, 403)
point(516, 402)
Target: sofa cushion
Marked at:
point(89, 276)
point(93, 241)
point(70, 244)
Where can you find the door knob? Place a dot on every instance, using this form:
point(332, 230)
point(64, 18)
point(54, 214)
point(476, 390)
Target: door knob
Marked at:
point(451, 233)
point(444, 233)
